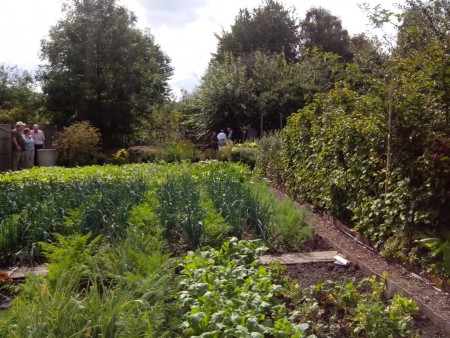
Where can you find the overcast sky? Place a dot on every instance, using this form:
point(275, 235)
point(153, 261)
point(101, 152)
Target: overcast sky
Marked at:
point(183, 28)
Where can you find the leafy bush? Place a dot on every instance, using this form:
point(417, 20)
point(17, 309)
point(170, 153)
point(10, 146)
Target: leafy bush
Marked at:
point(239, 152)
point(245, 153)
point(140, 154)
point(269, 158)
point(182, 150)
point(170, 152)
point(77, 144)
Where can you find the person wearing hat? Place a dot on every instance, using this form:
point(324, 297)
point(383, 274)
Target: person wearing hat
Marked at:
point(18, 145)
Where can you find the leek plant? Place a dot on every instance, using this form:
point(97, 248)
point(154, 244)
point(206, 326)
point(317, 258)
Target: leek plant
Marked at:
point(101, 206)
point(180, 209)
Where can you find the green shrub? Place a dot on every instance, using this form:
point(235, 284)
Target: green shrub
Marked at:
point(182, 150)
point(269, 158)
point(170, 152)
point(77, 144)
point(245, 153)
point(140, 154)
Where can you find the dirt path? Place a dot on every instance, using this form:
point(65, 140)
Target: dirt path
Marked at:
point(433, 303)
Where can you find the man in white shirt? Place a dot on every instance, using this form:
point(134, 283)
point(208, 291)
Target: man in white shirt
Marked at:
point(39, 139)
point(221, 139)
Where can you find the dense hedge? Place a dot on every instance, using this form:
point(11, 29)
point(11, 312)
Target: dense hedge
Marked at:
point(333, 154)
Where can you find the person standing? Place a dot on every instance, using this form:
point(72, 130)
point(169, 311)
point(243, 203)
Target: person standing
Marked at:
point(38, 138)
point(28, 154)
point(222, 139)
point(213, 141)
point(18, 145)
point(231, 135)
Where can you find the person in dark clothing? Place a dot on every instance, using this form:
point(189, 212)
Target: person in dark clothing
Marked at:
point(231, 134)
point(213, 142)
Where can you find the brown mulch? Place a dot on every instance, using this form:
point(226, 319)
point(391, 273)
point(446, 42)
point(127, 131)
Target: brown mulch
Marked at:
point(434, 304)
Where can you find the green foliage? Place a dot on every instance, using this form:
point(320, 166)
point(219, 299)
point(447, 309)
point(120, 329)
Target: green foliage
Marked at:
point(439, 248)
point(124, 285)
point(18, 99)
point(70, 254)
point(180, 209)
point(289, 226)
point(233, 201)
point(170, 152)
point(269, 28)
point(216, 228)
point(100, 68)
point(43, 201)
point(77, 144)
point(221, 100)
point(330, 150)
point(240, 152)
point(226, 293)
point(378, 320)
point(279, 88)
point(340, 153)
point(322, 30)
point(182, 150)
point(99, 288)
point(354, 310)
point(162, 126)
point(268, 159)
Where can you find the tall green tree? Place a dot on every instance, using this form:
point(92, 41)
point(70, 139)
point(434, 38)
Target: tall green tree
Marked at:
point(223, 99)
point(279, 88)
point(102, 69)
point(322, 30)
point(269, 28)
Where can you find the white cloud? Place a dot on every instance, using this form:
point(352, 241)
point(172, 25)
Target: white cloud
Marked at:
point(23, 24)
point(184, 29)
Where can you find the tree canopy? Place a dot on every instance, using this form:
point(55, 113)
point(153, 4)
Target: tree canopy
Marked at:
point(322, 30)
point(269, 28)
point(18, 98)
point(102, 69)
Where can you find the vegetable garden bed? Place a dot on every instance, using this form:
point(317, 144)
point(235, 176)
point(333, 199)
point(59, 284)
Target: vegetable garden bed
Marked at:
point(115, 242)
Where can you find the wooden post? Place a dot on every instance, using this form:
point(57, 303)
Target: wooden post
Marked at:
point(389, 143)
point(5, 147)
point(261, 126)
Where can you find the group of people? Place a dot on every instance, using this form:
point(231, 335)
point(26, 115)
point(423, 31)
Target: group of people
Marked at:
point(25, 144)
point(218, 141)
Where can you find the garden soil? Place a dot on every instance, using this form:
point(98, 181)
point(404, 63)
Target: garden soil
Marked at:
point(434, 304)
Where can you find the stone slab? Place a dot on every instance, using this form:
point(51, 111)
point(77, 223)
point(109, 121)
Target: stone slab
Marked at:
point(299, 257)
point(20, 273)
